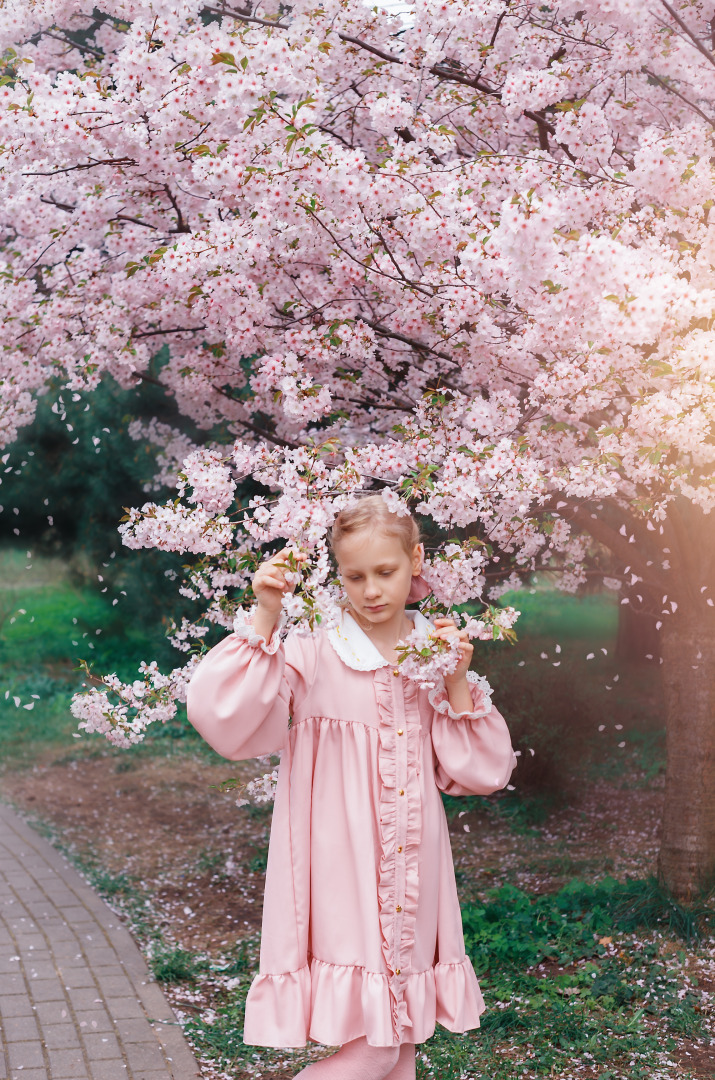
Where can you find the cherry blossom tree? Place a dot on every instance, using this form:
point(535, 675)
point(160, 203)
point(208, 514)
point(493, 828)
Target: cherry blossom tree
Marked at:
point(461, 256)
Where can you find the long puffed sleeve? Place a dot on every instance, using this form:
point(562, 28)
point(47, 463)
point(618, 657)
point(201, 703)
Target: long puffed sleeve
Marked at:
point(241, 695)
point(473, 750)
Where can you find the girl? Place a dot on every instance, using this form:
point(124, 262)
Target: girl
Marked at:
point(362, 939)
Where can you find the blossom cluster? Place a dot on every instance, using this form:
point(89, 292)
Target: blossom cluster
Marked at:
point(123, 711)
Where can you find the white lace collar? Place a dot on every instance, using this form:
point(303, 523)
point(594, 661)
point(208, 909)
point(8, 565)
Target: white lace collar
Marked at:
point(355, 648)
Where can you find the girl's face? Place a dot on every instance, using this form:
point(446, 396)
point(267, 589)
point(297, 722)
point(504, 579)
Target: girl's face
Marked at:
point(376, 572)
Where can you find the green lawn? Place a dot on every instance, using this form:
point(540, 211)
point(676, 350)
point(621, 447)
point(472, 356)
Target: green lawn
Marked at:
point(588, 977)
point(562, 617)
point(48, 624)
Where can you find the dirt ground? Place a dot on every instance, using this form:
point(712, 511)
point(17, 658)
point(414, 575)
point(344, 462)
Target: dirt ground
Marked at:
point(159, 821)
point(201, 858)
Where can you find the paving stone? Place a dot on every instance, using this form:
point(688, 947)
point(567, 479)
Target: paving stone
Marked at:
point(122, 1008)
point(47, 990)
point(25, 1055)
point(78, 1006)
point(100, 956)
point(9, 964)
point(78, 977)
point(115, 985)
point(67, 1064)
point(101, 1046)
point(60, 1036)
point(13, 984)
point(17, 1005)
point(84, 997)
point(28, 943)
point(41, 969)
point(94, 1020)
point(19, 1028)
point(144, 1055)
point(53, 1012)
point(110, 1070)
point(67, 952)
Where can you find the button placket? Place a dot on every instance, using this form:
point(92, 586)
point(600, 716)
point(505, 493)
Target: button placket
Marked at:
point(401, 814)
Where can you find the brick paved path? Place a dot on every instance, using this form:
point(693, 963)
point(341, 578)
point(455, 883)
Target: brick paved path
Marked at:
point(77, 1001)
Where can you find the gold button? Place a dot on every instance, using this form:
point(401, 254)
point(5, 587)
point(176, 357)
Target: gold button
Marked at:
point(399, 731)
point(397, 971)
point(398, 908)
point(400, 848)
point(396, 672)
point(402, 792)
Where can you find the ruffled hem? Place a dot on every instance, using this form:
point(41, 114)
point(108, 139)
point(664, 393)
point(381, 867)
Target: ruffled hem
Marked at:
point(333, 1004)
point(243, 628)
point(481, 693)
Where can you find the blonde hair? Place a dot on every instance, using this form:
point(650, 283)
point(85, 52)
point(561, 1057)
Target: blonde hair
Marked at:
point(370, 512)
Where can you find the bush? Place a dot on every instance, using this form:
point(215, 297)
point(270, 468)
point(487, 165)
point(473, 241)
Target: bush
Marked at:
point(66, 495)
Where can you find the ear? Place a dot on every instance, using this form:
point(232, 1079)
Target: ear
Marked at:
point(418, 557)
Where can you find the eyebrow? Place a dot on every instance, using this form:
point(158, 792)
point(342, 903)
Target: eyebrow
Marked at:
point(380, 566)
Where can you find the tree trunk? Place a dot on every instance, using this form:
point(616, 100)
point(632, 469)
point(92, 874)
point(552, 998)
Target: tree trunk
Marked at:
point(637, 637)
point(687, 854)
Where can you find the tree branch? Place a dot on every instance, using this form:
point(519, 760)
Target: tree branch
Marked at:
point(671, 90)
point(144, 377)
point(688, 32)
point(70, 209)
point(600, 530)
point(181, 225)
point(419, 346)
point(172, 330)
point(85, 165)
point(447, 73)
point(74, 44)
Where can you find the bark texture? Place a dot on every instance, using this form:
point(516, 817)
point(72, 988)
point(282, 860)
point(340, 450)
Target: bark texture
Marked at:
point(687, 854)
point(638, 637)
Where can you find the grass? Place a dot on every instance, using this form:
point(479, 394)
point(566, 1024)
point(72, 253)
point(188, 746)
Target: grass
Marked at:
point(560, 617)
point(48, 624)
point(593, 975)
point(177, 965)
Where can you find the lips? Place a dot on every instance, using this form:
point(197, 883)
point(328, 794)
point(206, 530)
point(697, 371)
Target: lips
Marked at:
point(379, 607)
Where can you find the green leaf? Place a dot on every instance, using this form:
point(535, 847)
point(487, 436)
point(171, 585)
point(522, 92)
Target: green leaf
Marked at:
point(224, 58)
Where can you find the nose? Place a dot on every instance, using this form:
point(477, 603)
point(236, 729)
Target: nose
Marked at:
point(372, 590)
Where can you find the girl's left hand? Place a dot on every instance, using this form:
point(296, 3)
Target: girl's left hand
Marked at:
point(447, 629)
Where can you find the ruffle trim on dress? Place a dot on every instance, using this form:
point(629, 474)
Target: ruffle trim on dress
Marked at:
point(481, 693)
point(398, 915)
point(243, 628)
point(333, 1004)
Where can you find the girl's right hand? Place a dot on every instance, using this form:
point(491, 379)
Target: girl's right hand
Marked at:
point(269, 581)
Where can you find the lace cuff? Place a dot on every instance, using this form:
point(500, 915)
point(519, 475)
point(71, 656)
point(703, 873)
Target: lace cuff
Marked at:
point(481, 697)
point(243, 628)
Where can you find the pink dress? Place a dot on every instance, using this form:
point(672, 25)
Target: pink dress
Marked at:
point(362, 932)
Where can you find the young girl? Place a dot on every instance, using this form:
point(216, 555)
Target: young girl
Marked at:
point(362, 941)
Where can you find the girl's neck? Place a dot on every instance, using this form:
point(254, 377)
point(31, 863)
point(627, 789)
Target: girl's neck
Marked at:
point(385, 635)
